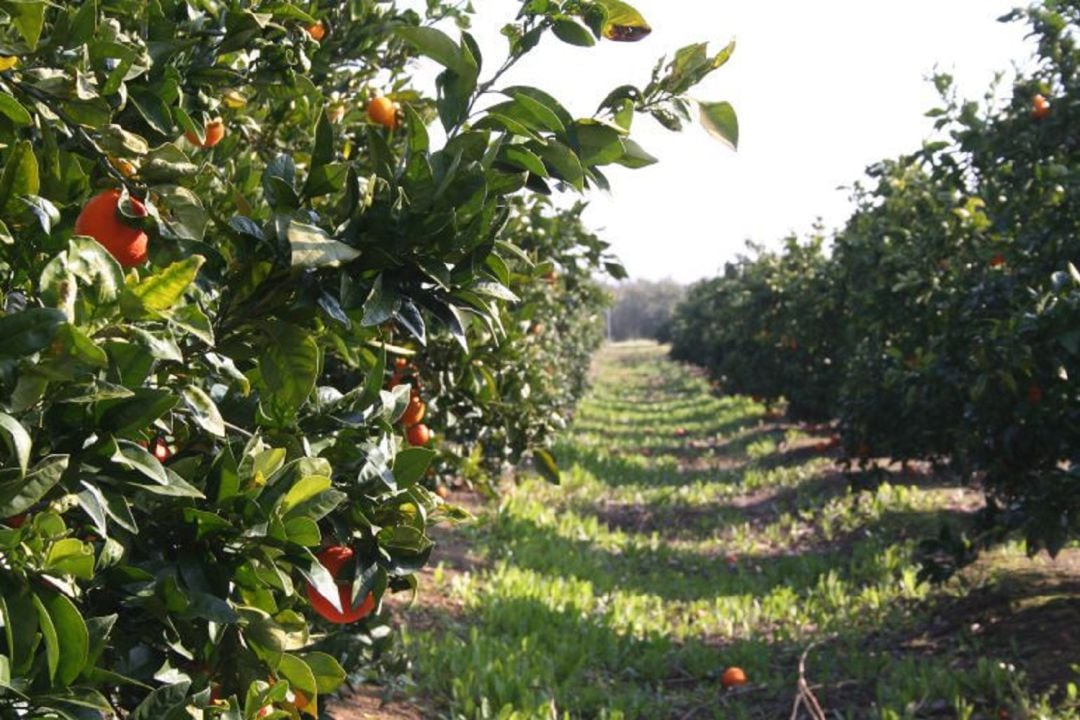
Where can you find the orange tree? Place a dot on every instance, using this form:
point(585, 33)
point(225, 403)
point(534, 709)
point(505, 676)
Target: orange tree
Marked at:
point(766, 327)
point(510, 398)
point(950, 302)
point(201, 469)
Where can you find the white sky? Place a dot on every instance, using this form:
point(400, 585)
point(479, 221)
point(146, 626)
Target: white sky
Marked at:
point(822, 90)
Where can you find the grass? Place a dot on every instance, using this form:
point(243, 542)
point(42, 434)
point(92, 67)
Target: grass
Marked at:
point(691, 534)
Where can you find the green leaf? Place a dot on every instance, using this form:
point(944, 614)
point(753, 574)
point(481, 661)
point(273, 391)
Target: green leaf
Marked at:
point(48, 634)
point(547, 466)
point(720, 121)
point(599, 144)
point(329, 675)
point(623, 23)
point(20, 176)
point(300, 676)
point(724, 55)
point(29, 17)
point(289, 366)
point(495, 290)
point(304, 489)
point(204, 411)
point(438, 46)
point(186, 218)
point(411, 464)
point(564, 163)
point(523, 158)
point(95, 268)
point(20, 495)
point(381, 304)
point(323, 152)
point(635, 156)
point(162, 290)
point(17, 441)
point(303, 531)
point(72, 635)
point(70, 557)
point(160, 704)
point(206, 523)
point(135, 457)
point(573, 33)
point(312, 247)
point(535, 113)
point(321, 579)
point(14, 110)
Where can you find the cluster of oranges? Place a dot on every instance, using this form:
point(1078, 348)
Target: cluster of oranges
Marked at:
point(416, 432)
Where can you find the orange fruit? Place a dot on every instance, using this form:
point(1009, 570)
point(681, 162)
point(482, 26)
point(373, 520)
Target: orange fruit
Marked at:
point(442, 491)
point(1034, 395)
point(733, 677)
point(383, 111)
point(161, 450)
point(333, 559)
point(99, 219)
point(212, 134)
point(124, 167)
point(418, 434)
point(997, 261)
point(317, 31)
point(16, 521)
point(414, 413)
point(1040, 107)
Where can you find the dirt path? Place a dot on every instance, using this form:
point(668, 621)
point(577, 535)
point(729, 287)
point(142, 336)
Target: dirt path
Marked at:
point(695, 533)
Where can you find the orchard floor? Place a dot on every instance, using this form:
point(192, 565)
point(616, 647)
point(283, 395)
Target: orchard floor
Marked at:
point(693, 533)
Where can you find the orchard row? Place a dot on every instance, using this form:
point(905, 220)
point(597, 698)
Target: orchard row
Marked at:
point(942, 322)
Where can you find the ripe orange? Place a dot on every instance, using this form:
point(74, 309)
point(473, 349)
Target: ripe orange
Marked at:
point(997, 261)
point(1034, 395)
point(442, 491)
point(383, 111)
point(333, 559)
point(414, 413)
point(1040, 107)
point(212, 134)
point(317, 31)
point(551, 276)
point(99, 220)
point(418, 434)
point(733, 677)
point(400, 364)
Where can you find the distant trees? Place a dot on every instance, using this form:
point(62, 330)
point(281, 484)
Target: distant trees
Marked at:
point(643, 309)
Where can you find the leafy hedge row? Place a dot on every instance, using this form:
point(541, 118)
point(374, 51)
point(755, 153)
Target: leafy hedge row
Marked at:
point(942, 321)
point(204, 471)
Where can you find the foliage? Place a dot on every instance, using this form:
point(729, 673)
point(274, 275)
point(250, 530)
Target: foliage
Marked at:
point(180, 439)
point(942, 325)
